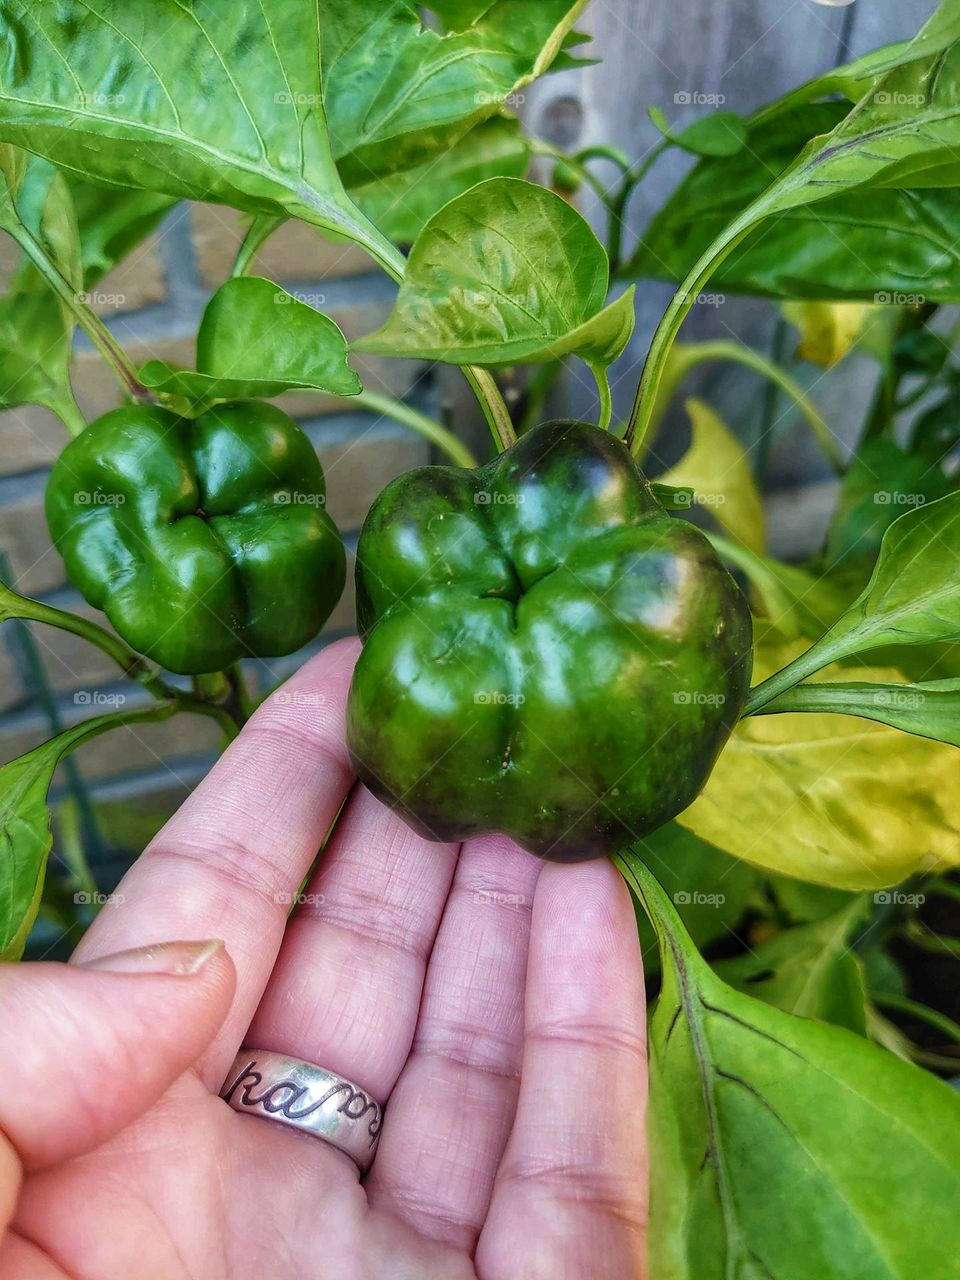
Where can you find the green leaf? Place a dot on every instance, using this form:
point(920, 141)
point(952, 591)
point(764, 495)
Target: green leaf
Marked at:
point(256, 339)
point(402, 203)
point(245, 127)
point(930, 709)
point(717, 469)
point(785, 1147)
point(720, 134)
point(826, 251)
point(881, 483)
point(478, 289)
point(397, 93)
point(810, 970)
point(912, 597)
point(25, 837)
point(35, 326)
point(673, 497)
point(830, 798)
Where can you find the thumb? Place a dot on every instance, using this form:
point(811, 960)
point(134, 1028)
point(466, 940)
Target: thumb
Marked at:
point(89, 1048)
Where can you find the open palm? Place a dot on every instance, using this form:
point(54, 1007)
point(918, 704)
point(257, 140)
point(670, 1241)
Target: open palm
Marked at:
point(493, 1003)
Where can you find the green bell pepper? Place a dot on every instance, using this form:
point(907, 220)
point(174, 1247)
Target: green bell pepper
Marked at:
point(203, 541)
point(546, 653)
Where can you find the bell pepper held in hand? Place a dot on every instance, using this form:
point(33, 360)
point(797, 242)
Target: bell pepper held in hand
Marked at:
point(546, 654)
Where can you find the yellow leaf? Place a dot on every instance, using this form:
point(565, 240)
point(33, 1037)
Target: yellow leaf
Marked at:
point(717, 469)
point(833, 799)
point(828, 330)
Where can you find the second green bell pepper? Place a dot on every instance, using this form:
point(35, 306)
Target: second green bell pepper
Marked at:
point(203, 541)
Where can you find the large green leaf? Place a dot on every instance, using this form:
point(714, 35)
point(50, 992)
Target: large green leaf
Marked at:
point(930, 709)
point(256, 339)
point(220, 101)
point(507, 272)
point(831, 798)
point(397, 93)
point(913, 597)
point(810, 970)
point(25, 837)
point(783, 1148)
point(890, 245)
point(402, 203)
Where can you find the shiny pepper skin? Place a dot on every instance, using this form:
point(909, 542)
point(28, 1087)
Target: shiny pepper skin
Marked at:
point(203, 541)
point(546, 653)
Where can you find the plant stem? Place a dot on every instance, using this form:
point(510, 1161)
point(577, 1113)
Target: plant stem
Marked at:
point(674, 316)
point(617, 205)
point(603, 388)
point(96, 330)
point(258, 233)
point(737, 353)
point(431, 430)
point(922, 1012)
point(132, 664)
point(813, 660)
point(68, 411)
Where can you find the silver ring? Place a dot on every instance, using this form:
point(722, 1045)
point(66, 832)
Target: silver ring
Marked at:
point(308, 1098)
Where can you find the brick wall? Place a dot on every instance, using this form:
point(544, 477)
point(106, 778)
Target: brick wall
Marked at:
point(152, 303)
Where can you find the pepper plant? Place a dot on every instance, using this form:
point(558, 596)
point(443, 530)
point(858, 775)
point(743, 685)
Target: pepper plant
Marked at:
point(547, 650)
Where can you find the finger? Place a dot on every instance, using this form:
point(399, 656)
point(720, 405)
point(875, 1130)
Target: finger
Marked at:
point(229, 862)
point(450, 1114)
point(87, 1050)
point(347, 984)
point(570, 1196)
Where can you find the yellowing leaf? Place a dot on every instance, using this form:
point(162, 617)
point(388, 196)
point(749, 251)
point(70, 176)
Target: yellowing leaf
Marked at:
point(830, 798)
point(828, 330)
point(717, 469)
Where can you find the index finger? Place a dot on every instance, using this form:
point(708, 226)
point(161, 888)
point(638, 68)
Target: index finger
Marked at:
point(230, 861)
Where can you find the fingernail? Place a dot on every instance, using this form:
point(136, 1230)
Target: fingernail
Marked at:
point(164, 957)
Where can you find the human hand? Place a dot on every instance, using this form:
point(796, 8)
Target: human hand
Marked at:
point(494, 1003)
